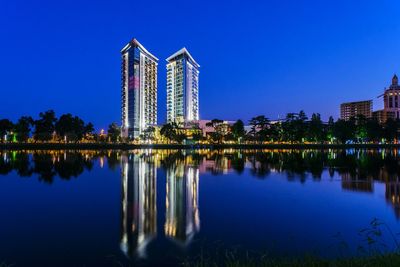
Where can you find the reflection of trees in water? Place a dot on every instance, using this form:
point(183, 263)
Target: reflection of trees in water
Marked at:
point(298, 164)
point(22, 165)
point(113, 160)
point(45, 164)
point(5, 164)
point(44, 167)
point(261, 164)
point(172, 158)
point(72, 165)
point(358, 168)
point(238, 163)
point(360, 165)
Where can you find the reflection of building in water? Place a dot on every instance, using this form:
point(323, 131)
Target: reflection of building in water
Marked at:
point(356, 184)
point(139, 210)
point(392, 195)
point(218, 165)
point(182, 200)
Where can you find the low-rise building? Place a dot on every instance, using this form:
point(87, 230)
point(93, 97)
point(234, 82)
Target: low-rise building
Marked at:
point(382, 115)
point(206, 128)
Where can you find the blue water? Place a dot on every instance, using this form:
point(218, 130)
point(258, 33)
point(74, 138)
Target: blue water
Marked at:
point(150, 207)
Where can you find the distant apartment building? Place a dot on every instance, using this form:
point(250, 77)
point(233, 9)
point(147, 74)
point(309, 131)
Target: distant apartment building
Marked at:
point(139, 89)
point(182, 88)
point(353, 109)
point(207, 129)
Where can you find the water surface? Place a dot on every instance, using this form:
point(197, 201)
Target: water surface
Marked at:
point(161, 207)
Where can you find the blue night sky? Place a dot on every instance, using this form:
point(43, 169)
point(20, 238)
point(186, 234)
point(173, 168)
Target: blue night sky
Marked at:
point(264, 57)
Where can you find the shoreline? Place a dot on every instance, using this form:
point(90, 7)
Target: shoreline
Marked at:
point(124, 146)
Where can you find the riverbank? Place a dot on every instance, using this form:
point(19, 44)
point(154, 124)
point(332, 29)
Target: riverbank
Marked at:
point(125, 146)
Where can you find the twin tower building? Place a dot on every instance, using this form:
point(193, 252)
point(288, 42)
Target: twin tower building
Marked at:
point(139, 89)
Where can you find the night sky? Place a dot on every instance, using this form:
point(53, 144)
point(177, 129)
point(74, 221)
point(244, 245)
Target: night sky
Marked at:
point(256, 57)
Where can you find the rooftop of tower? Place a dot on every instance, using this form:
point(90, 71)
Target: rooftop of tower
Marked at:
point(395, 80)
point(135, 42)
point(182, 52)
point(395, 83)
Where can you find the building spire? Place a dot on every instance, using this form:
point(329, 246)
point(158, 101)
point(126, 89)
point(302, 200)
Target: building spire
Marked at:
point(395, 80)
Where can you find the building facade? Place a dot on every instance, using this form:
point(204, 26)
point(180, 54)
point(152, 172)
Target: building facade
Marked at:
point(382, 116)
point(182, 88)
point(391, 103)
point(391, 98)
point(353, 109)
point(139, 89)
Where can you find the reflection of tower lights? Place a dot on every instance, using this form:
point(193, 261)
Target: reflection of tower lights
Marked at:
point(182, 210)
point(139, 211)
point(392, 195)
point(101, 162)
point(193, 218)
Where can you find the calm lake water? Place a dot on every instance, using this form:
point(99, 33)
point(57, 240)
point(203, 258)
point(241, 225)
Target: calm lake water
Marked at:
point(161, 207)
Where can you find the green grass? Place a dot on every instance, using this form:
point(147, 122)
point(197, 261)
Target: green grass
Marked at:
point(387, 260)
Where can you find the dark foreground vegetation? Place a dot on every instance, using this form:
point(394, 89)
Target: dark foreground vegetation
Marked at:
point(387, 260)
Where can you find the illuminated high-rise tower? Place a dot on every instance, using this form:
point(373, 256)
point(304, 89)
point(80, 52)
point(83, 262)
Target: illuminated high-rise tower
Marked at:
point(139, 89)
point(182, 88)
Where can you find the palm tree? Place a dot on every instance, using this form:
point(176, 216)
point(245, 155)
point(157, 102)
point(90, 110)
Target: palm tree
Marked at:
point(169, 131)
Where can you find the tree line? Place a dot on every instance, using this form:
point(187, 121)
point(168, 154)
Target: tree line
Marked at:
point(294, 128)
point(298, 128)
point(47, 127)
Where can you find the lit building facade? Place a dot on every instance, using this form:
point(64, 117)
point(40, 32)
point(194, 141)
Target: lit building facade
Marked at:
point(382, 116)
point(139, 89)
point(391, 98)
point(182, 88)
point(391, 103)
point(353, 109)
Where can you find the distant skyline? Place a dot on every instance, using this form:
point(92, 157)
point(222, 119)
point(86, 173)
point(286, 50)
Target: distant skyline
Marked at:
point(256, 57)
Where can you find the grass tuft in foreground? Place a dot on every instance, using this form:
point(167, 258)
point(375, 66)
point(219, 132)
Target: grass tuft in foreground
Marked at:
point(387, 260)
